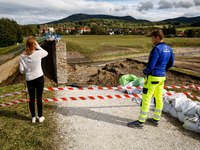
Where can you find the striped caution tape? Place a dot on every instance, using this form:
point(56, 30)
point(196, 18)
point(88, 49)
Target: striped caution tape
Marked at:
point(81, 98)
point(16, 93)
point(182, 87)
point(90, 88)
point(117, 88)
point(188, 94)
point(12, 103)
point(103, 88)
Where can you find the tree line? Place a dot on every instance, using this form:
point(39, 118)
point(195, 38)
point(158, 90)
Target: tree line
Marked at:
point(12, 33)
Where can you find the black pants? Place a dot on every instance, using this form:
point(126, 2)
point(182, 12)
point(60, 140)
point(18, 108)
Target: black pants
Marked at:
point(36, 86)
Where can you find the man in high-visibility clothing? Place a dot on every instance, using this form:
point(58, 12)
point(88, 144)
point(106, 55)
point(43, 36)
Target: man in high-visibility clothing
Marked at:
point(160, 59)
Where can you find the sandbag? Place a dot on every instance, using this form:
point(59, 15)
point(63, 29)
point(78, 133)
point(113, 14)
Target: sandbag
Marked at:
point(173, 112)
point(181, 116)
point(176, 95)
point(167, 107)
point(189, 108)
point(198, 110)
point(178, 103)
point(137, 100)
point(192, 125)
point(134, 91)
point(125, 79)
point(138, 82)
point(166, 100)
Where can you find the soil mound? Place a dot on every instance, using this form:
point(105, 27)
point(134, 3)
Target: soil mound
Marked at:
point(109, 74)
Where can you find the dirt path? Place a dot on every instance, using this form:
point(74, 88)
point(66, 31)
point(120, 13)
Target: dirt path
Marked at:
point(7, 69)
point(101, 125)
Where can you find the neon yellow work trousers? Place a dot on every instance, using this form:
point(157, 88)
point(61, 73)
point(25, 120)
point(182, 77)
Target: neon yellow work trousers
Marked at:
point(152, 86)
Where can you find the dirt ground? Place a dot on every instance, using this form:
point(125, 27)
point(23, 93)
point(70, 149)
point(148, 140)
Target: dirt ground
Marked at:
point(109, 74)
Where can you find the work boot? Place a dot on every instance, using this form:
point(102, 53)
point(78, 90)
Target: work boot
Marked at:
point(153, 121)
point(135, 124)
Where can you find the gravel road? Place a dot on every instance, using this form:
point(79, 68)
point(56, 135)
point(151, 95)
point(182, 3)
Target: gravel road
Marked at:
point(101, 125)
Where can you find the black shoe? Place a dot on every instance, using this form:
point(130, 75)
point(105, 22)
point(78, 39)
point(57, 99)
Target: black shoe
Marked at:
point(135, 124)
point(152, 121)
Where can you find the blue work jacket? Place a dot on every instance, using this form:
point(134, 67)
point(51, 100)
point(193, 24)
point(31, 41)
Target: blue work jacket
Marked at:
point(161, 58)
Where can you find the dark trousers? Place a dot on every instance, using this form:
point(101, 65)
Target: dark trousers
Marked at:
point(35, 86)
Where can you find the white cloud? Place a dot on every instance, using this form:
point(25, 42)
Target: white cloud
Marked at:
point(163, 4)
point(43, 11)
point(197, 2)
point(145, 6)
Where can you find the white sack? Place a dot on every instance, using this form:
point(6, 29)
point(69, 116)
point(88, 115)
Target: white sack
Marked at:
point(198, 109)
point(176, 95)
point(166, 100)
point(167, 107)
point(173, 112)
point(137, 100)
point(189, 108)
point(178, 103)
point(134, 91)
point(192, 126)
point(181, 116)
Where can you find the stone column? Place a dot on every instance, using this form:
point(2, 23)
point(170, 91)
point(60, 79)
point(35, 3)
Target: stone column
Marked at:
point(61, 62)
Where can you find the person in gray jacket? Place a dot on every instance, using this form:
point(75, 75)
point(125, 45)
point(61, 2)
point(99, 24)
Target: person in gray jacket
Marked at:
point(30, 65)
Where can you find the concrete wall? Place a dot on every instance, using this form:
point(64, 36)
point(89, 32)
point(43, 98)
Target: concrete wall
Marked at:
point(55, 64)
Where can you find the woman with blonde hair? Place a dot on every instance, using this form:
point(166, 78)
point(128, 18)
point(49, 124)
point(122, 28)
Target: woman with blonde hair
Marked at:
point(30, 65)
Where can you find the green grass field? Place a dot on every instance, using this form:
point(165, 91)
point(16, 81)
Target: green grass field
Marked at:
point(98, 47)
point(187, 28)
point(16, 129)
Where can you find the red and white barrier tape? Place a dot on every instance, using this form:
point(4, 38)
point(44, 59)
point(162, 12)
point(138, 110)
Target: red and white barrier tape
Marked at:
point(188, 94)
point(103, 88)
point(79, 98)
point(117, 88)
point(16, 93)
point(93, 98)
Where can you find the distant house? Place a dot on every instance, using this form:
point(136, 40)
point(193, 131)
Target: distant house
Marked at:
point(111, 32)
point(180, 34)
point(68, 30)
point(82, 29)
point(44, 29)
point(61, 28)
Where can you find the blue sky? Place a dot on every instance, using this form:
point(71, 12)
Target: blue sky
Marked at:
point(43, 11)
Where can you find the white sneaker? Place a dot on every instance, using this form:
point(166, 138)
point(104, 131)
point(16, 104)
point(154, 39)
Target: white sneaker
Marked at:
point(34, 119)
point(41, 119)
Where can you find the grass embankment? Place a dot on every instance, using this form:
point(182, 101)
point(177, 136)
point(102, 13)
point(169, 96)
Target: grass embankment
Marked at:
point(16, 129)
point(101, 47)
point(4, 50)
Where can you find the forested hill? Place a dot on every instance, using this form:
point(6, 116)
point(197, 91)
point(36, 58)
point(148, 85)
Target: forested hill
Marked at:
point(184, 19)
point(78, 17)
